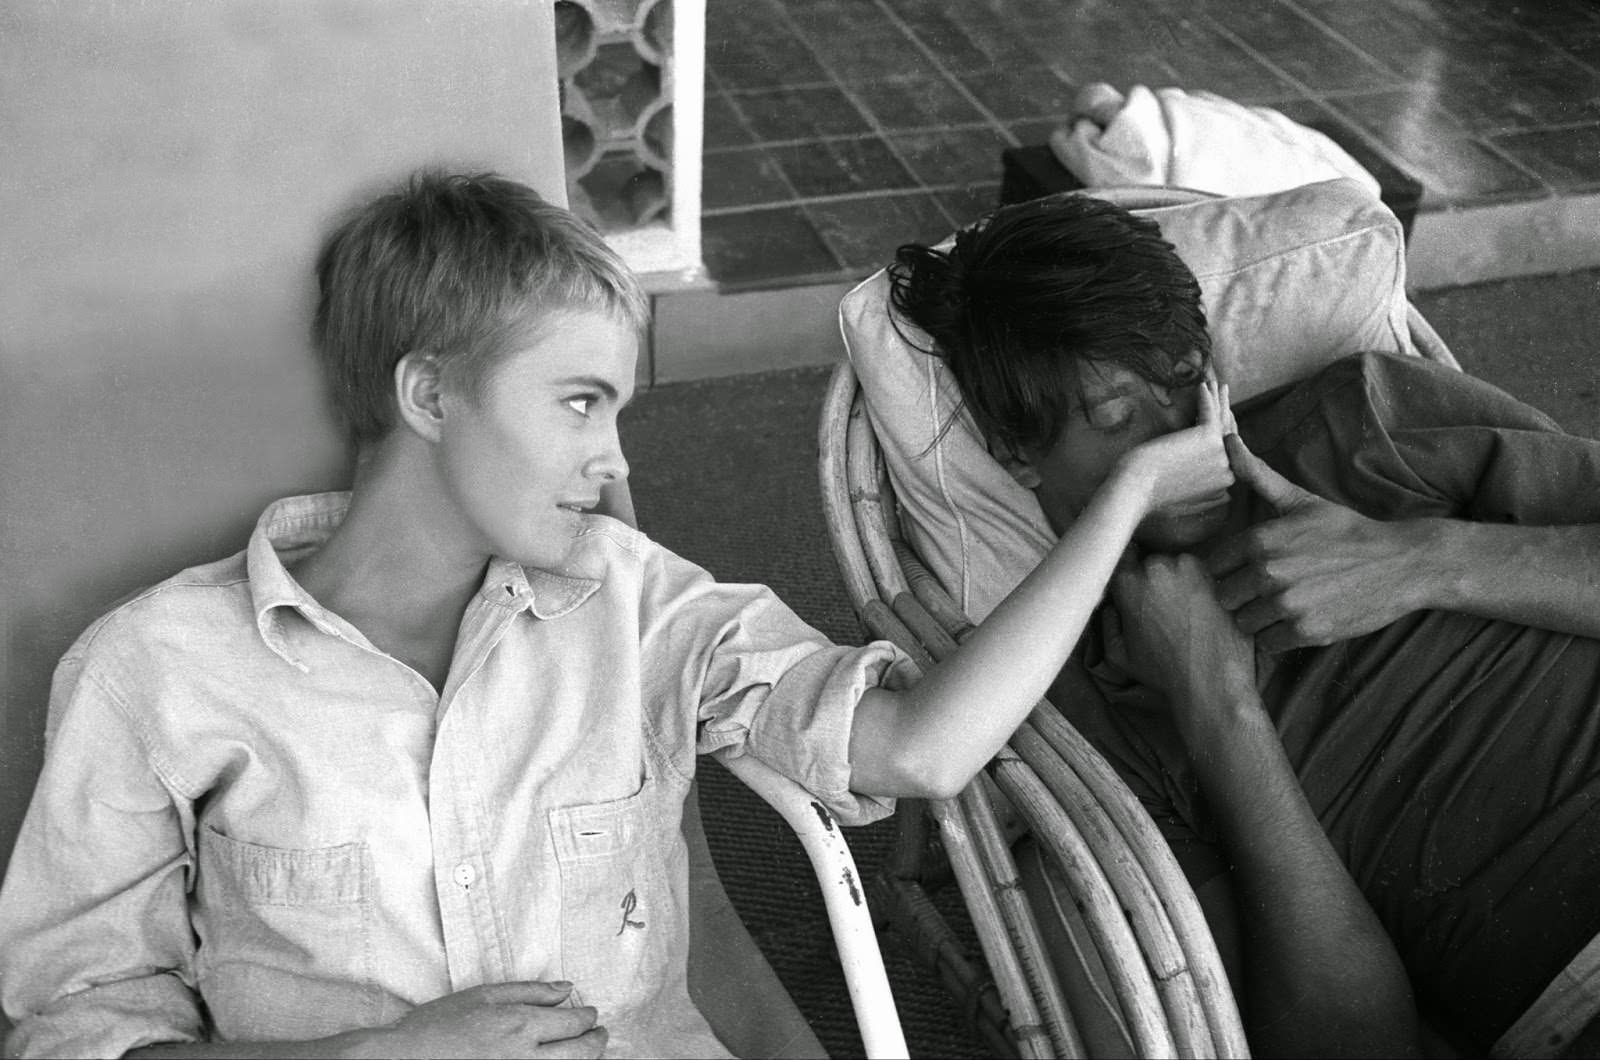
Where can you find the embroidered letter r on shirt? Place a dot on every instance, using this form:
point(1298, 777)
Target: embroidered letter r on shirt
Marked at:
point(630, 902)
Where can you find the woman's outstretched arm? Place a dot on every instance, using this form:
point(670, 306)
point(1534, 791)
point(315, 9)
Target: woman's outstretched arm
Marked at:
point(930, 740)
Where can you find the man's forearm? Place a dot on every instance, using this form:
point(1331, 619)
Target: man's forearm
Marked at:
point(1321, 975)
point(1543, 576)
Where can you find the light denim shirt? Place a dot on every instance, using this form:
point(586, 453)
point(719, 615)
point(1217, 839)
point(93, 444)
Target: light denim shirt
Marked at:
point(253, 825)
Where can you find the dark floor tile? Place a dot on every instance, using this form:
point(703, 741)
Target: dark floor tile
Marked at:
point(847, 17)
point(742, 177)
point(723, 128)
point(950, 42)
point(1122, 70)
point(1458, 170)
point(740, 20)
point(759, 245)
point(1551, 91)
point(1300, 48)
point(1566, 159)
point(1034, 130)
point(1395, 115)
point(801, 113)
point(1585, 50)
point(1432, 146)
point(1305, 111)
point(916, 103)
point(965, 205)
point(769, 62)
point(1028, 10)
point(863, 233)
point(953, 156)
point(1552, 16)
point(840, 167)
point(1120, 28)
point(1028, 92)
point(999, 42)
point(1202, 57)
point(877, 55)
point(869, 55)
point(1400, 38)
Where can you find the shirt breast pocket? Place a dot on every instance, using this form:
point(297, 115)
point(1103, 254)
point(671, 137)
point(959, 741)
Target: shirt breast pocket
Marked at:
point(286, 938)
point(623, 930)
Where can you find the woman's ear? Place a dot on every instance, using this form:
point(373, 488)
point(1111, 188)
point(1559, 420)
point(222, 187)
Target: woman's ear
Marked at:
point(418, 394)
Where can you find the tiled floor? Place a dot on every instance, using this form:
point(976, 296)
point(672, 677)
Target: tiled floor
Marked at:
point(837, 129)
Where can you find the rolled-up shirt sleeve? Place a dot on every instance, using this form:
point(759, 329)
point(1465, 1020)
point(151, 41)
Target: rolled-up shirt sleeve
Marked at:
point(766, 683)
point(1401, 437)
point(96, 947)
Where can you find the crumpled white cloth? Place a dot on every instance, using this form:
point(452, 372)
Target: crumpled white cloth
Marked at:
point(1194, 139)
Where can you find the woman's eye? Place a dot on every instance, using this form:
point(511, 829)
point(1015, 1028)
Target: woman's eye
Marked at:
point(580, 405)
point(1112, 415)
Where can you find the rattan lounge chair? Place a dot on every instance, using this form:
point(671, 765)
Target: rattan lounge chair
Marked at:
point(1142, 920)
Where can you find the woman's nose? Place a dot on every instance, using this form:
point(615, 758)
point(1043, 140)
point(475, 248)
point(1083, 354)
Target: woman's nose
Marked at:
point(609, 464)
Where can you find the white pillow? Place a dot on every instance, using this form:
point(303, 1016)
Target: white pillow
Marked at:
point(1290, 282)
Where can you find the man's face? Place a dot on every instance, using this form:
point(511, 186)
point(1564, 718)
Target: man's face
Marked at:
point(1119, 410)
point(522, 459)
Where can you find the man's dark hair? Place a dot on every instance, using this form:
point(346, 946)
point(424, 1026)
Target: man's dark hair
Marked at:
point(464, 267)
point(1027, 295)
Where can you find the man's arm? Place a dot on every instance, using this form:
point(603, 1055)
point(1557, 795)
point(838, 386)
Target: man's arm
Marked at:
point(1319, 975)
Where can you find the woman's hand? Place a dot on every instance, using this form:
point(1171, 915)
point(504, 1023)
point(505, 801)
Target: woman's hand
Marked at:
point(1187, 466)
point(526, 1019)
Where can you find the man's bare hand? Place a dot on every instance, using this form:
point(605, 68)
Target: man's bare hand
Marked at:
point(1177, 637)
point(1318, 572)
point(523, 1019)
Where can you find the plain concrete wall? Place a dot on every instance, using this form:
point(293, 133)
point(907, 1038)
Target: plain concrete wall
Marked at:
point(166, 170)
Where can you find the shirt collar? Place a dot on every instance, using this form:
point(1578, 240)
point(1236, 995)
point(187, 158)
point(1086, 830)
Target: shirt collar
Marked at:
point(547, 594)
point(294, 526)
point(286, 531)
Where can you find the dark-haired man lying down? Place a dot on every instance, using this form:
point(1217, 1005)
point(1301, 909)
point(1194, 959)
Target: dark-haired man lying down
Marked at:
point(1359, 692)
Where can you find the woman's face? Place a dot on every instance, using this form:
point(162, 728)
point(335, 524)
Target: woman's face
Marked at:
point(521, 461)
point(1118, 410)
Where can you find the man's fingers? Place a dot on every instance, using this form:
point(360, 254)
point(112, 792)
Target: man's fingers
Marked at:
point(1256, 616)
point(1279, 637)
point(1252, 470)
point(1227, 556)
point(1237, 589)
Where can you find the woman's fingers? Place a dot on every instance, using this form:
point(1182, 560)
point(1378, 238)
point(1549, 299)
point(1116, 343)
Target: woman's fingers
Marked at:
point(1210, 414)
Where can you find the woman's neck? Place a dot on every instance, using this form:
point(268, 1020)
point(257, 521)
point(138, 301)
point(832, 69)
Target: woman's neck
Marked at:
point(399, 567)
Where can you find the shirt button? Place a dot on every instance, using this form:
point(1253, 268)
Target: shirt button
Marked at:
point(465, 874)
